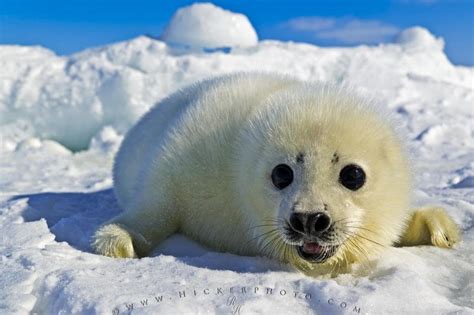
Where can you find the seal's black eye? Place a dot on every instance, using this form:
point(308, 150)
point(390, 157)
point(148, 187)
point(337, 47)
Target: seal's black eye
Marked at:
point(352, 177)
point(282, 176)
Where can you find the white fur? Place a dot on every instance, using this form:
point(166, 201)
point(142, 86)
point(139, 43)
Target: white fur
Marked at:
point(199, 163)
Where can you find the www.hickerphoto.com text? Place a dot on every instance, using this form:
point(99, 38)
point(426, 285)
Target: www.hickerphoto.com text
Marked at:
point(230, 297)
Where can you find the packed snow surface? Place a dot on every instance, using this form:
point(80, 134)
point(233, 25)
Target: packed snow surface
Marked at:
point(54, 197)
point(205, 25)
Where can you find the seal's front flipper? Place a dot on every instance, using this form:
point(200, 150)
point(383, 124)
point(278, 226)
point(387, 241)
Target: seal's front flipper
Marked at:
point(116, 240)
point(430, 226)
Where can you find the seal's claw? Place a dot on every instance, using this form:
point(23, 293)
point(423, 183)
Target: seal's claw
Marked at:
point(444, 232)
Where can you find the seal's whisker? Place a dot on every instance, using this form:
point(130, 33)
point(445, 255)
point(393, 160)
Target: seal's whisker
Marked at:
point(358, 249)
point(261, 225)
point(269, 243)
point(276, 252)
point(272, 249)
point(365, 238)
point(282, 251)
point(345, 222)
point(270, 219)
point(361, 228)
point(263, 234)
point(286, 253)
point(277, 248)
point(341, 220)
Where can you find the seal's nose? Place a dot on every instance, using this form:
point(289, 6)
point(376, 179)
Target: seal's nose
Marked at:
point(297, 222)
point(310, 223)
point(319, 222)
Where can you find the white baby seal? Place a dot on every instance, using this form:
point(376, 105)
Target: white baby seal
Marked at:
point(262, 164)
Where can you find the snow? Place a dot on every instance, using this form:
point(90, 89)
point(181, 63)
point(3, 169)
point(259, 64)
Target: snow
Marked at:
point(205, 25)
point(70, 99)
point(414, 37)
point(62, 120)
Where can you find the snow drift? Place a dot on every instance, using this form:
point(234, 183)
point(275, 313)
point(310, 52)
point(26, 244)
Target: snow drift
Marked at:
point(69, 99)
point(52, 199)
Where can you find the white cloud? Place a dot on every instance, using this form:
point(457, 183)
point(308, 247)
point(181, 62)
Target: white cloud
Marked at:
point(345, 30)
point(310, 23)
point(357, 31)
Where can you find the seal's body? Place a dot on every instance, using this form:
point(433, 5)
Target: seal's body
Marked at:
point(260, 164)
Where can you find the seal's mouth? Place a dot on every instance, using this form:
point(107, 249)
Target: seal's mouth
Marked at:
point(315, 252)
point(314, 247)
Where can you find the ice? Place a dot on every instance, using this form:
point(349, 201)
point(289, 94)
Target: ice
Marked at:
point(419, 37)
point(70, 99)
point(204, 25)
point(63, 118)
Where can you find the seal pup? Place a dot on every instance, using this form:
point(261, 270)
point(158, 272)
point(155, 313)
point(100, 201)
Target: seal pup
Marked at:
point(262, 164)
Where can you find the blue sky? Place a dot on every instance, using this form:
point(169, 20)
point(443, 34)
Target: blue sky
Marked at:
point(68, 26)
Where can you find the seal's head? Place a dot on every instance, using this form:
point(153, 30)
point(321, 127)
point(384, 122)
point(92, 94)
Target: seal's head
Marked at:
point(323, 176)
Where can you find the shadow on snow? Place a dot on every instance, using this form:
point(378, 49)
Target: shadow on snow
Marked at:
point(74, 217)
